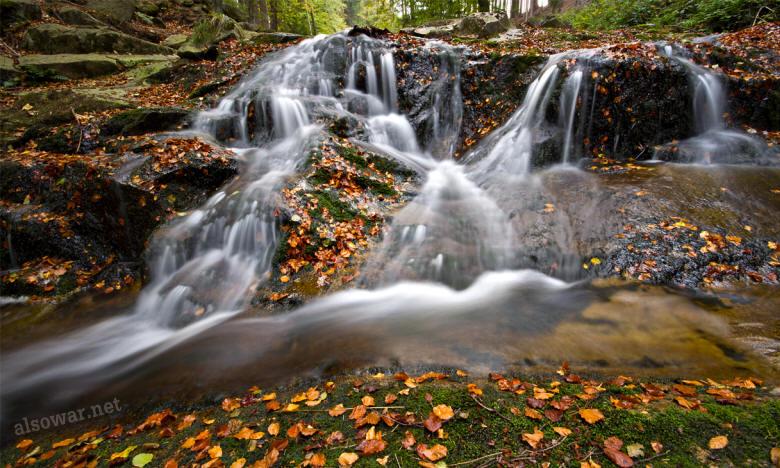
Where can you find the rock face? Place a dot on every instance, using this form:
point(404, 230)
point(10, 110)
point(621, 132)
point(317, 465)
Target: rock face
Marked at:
point(8, 71)
point(483, 25)
point(17, 11)
point(145, 120)
point(58, 39)
point(69, 66)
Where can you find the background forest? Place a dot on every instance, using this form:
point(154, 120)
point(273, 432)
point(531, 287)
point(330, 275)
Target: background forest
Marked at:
point(327, 16)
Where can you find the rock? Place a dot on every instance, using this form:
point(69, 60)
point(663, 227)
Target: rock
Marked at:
point(145, 120)
point(148, 8)
point(59, 39)
point(156, 72)
point(484, 25)
point(192, 52)
point(68, 66)
point(433, 31)
point(272, 38)
point(18, 11)
point(72, 15)
point(8, 71)
point(175, 41)
point(148, 20)
point(114, 11)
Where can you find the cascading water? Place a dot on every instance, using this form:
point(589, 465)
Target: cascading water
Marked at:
point(459, 231)
point(714, 142)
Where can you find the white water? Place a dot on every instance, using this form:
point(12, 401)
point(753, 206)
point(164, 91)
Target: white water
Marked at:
point(569, 99)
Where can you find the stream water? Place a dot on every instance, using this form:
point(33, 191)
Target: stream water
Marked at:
point(449, 285)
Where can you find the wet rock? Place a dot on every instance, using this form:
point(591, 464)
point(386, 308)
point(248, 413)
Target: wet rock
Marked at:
point(434, 31)
point(273, 38)
point(58, 39)
point(68, 66)
point(193, 52)
point(17, 11)
point(75, 16)
point(483, 25)
point(145, 120)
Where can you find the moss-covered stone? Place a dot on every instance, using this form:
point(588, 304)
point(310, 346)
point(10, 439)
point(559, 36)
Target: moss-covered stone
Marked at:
point(53, 38)
point(145, 120)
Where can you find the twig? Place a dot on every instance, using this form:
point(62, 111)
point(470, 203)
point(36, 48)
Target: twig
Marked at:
point(10, 49)
point(755, 20)
point(476, 400)
point(638, 462)
point(396, 460)
point(81, 130)
point(475, 459)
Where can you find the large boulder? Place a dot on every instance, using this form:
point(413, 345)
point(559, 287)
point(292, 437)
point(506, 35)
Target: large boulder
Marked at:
point(175, 41)
point(114, 11)
point(17, 11)
point(72, 15)
point(59, 39)
point(69, 66)
point(483, 25)
point(195, 52)
point(145, 120)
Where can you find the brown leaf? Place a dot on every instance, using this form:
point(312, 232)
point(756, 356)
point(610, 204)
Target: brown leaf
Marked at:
point(535, 403)
point(371, 447)
point(408, 440)
point(334, 438)
point(619, 458)
point(348, 458)
point(613, 442)
point(532, 413)
point(553, 414)
point(358, 412)
point(318, 459)
point(433, 423)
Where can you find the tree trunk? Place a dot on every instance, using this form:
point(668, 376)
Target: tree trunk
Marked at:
point(514, 12)
point(264, 15)
point(217, 5)
point(274, 15)
point(313, 24)
point(254, 14)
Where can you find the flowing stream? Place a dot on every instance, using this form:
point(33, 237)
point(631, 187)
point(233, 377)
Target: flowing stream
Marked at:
point(450, 261)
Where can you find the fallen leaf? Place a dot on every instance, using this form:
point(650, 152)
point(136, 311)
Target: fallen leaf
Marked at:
point(337, 410)
point(142, 459)
point(63, 443)
point(590, 415)
point(215, 451)
point(318, 459)
point(562, 431)
point(238, 463)
point(718, 442)
point(533, 438)
point(273, 428)
point(24, 444)
point(433, 423)
point(657, 446)
point(434, 453)
point(348, 458)
point(408, 440)
point(443, 412)
point(619, 458)
point(613, 442)
point(635, 450)
point(774, 456)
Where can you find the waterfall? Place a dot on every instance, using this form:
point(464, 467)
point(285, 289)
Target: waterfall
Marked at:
point(508, 151)
point(568, 109)
point(713, 142)
point(205, 266)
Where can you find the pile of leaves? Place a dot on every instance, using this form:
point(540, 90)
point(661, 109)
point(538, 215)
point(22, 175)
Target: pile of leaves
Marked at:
point(440, 419)
point(335, 211)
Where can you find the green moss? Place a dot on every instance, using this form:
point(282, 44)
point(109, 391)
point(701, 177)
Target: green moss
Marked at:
point(339, 210)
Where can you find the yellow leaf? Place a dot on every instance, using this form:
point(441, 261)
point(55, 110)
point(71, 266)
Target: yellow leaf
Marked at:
point(238, 463)
point(590, 415)
point(774, 456)
point(562, 431)
point(348, 458)
point(718, 442)
point(337, 410)
point(24, 444)
point(444, 412)
point(533, 438)
point(368, 400)
point(124, 453)
point(63, 443)
point(215, 451)
point(273, 428)
point(291, 407)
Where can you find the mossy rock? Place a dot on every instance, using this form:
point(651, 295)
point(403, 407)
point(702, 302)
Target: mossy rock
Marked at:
point(175, 41)
point(193, 52)
point(58, 39)
point(145, 120)
point(114, 11)
point(8, 71)
point(68, 66)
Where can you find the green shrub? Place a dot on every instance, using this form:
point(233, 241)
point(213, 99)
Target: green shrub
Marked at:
point(712, 15)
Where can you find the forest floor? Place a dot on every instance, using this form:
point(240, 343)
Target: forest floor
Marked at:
point(437, 419)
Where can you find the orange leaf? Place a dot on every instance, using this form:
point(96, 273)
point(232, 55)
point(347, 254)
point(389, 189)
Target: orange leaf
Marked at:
point(718, 442)
point(590, 415)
